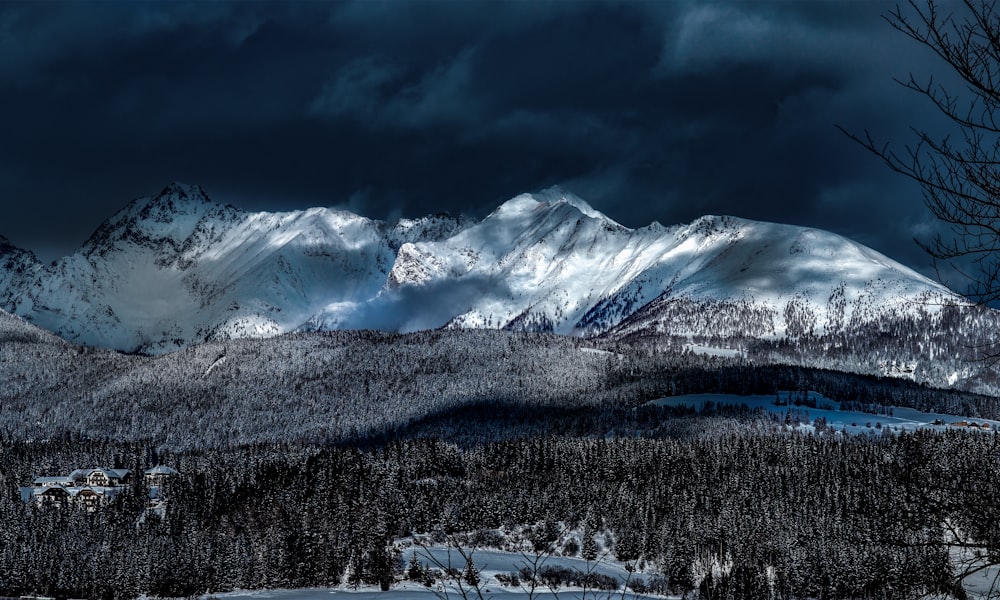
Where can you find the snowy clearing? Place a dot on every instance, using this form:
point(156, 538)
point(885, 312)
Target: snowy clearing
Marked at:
point(413, 591)
point(714, 351)
point(489, 564)
point(851, 421)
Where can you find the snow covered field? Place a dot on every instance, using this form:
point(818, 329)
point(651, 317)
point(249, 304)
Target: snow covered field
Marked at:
point(412, 591)
point(489, 564)
point(850, 421)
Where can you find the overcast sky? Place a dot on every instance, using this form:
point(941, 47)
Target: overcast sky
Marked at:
point(661, 111)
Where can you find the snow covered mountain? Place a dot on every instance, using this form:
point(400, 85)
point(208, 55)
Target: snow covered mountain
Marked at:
point(550, 262)
point(176, 269)
point(16, 265)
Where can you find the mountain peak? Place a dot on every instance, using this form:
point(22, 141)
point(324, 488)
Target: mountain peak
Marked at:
point(183, 191)
point(7, 248)
point(169, 217)
point(557, 195)
point(716, 222)
point(548, 199)
point(175, 198)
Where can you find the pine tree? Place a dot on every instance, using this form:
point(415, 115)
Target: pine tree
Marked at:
point(471, 574)
point(589, 551)
point(414, 572)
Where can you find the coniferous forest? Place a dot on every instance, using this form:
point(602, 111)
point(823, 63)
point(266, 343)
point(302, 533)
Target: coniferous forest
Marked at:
point(796, 516)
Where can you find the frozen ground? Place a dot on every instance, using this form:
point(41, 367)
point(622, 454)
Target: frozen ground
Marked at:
point(491, 562)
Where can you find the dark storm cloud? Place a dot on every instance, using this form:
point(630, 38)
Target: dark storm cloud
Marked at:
point(650, 111)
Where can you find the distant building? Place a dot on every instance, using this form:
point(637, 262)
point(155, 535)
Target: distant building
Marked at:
point(90, 488)
point(101, 477)
point(46, 491)
point(54, 481)
point(156, 476)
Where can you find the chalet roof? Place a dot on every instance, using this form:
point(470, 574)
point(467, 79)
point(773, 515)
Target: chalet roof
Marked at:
point(98, 490)
point(161, 470)
point(116, 473)
point(110, 473)
point(56, 480)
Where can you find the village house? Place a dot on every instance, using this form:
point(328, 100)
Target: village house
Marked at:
point(156, 476)
point(102, 477)
point(91, 488)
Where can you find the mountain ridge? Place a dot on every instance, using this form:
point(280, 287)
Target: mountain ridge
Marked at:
point(176, 269)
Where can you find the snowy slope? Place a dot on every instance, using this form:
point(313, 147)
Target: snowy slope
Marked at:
point(766, 279)
point(176, 269)
point(549, 262)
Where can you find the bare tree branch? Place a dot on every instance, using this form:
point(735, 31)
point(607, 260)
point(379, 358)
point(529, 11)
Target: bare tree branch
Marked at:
point(958, 174)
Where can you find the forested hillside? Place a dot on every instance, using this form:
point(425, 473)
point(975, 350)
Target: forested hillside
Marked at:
point(305, 458)
point(345, 387)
